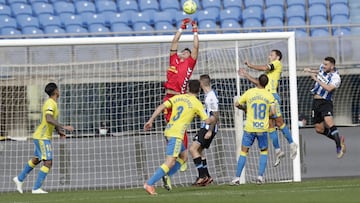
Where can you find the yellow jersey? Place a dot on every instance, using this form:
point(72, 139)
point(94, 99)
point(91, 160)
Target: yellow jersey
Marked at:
point(274, 76)
point(184, 108)
point(45, 130)
point(257, 103)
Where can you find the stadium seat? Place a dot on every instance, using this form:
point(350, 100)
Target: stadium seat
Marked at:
point(297, 21)
point(85, 7)
point(76, 29)
point(169, 5)
point(97, 29)
point(17, 1)
point(341, 23)
point(105, 6)
point(318, 20)
point(207, 27)
point(125, 5)
point(317, 10)
point(32, 31)
point(54, 30)
point(319, 33)
point(115, 18)
point(140, 17)
point(253, 25)
point(339, 9)
point(148, 5)
point(253, 13)
point(317, 2)
point(7, 22)
point(274, 12)
point(68, 19)
point(121, 29)
point(94, 19)
point(21, 9)
point(230, 26)
point(270, 3)
point(208, 15)
point(274, 22)
point(345, 2)
point(3, 2)
point(296, 2)
point(42, 8)
point(231, 13)
point(296, 11)
point(232, 3)
point(164, 16)
point(151, 14)
point(164, 28)
point(5, 10)
point(10, 32)
point(46, 20)
point(64, 7)
point(142, 29)
point(300, 33)
point(341, 31)
point(36, 1)
point(254, 3)
point(27, 21)
point(215, 4)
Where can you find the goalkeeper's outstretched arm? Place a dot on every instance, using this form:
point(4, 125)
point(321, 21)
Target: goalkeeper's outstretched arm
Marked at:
point(175, 41)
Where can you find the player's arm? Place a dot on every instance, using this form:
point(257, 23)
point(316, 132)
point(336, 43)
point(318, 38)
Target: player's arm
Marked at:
point(309, 70)
point(214, 114)
point(157, 111)
point(328, 87)
point(272, 109)
point(195, 50)
point(175, 41)
point(260, 67)
point(58, 126)
point(242, 73)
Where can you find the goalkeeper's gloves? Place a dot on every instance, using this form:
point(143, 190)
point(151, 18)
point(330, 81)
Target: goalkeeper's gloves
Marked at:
point(184, 23)
point(194, 26)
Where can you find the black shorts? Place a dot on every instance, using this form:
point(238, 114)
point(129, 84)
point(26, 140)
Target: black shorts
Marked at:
point(200, 138)
point(320, 109)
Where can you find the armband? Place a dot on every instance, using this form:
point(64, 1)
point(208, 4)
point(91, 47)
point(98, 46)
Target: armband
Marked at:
point(173, 49)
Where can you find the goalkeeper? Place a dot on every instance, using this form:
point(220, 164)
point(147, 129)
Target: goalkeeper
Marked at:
point(178, 74)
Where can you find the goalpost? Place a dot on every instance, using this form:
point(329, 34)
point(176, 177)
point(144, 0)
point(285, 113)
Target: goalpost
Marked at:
point(109, 88)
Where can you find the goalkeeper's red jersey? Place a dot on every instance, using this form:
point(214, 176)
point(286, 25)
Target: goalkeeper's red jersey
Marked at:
point(179, 73)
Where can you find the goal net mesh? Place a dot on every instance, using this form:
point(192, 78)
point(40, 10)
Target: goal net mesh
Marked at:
point(116, 87)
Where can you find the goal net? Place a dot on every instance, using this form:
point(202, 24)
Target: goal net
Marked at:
point(108, 89)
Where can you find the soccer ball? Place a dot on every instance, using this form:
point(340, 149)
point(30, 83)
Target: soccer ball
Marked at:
point(189, 7)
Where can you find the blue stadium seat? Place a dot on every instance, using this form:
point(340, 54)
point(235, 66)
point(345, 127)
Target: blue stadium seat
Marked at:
point(7, 22)
point(345, 2)
point(64, 7)
point(297, 11)
point(230, 26)
point(140, 17)
point(254, 3)
point(253, 13)
point(295, 2)
point(115, 18)
point(46, 20)
point(208, 15)
point(216, 4)
point(339, 9)
point(341, 23)
point(148, 5)
point(32, 31)
point(231, 13)
point(76, 29)
point(319, 33)
point(121, 29)
point(36, 1)
point(232, 3)
point(164, 28)
point(97, 29)
point(21, 9)
point(297, 21)
point(54, 30)
point(341, 31)
point(5, 10)
point(317, 2)
point(68, 19)
point(105, 6)
point(125, 5)
point(27, 21)
point(274, 12)
point(143, 29)
point(164, 16)
point(85, 7)
point(207, 27)
point(274, 22)
point(169, 5)
point(42, 8)
point(17, 1)
point(10, 31)
point(300, 33)
point(94, 19)
point(319, 20)
point(270, 3)
point(3, 2)
point(317, 10)
point(253, 25)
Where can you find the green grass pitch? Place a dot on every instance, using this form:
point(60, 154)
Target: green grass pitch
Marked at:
point(328, 190)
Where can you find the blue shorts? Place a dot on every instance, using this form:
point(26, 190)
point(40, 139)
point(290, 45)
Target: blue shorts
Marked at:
point(174, 147)
point(249, 138)
point(43, 149)
point(278, 112)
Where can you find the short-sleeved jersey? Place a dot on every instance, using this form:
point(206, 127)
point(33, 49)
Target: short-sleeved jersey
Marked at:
point(327, 78)
point(258, 103)
point(179, 73)
point(274, 74)
point(184, 108)
point(211, 105)
point(45, 130)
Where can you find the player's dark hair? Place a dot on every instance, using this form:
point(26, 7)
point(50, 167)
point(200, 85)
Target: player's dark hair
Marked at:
point(50, 88)
point(194, 86)
point(263, 80)
point(330, 59)
point(278, 53)
point(186, 49)
point(205, 79)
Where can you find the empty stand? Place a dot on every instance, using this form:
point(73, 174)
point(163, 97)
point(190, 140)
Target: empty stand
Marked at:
point(127, 5)
point(64, 7)
point(46, 20)
point(85, 7)
point(214, 4)
point(230, 26)
point(21, 9)
point(297, 11)
point(252, 13)
point(7, 22)
point(207, 27)
point(27, 21)
point(164, 28)
point(278, 3)
point(8, 31)
point(317, 2)
point(231, 13)
point(274, 25)
point(171, 5)
point(42, 8)
point(232, 3)
point(54, 30)
point(252, 25)
point(164, 16)
point(142, 29)
point(105, 6)
point(121, 29)
point(274, 12)
point(5, 10)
